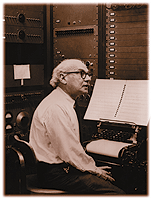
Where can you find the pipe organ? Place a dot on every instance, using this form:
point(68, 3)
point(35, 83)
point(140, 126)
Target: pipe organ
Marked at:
point(112, 41)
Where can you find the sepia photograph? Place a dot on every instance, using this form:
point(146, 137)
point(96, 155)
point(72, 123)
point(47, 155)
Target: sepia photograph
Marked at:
point(76, 99)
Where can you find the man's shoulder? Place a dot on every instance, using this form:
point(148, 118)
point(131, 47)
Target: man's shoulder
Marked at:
point(53, 100)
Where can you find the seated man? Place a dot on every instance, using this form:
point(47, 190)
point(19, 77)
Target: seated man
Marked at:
point(54, 135)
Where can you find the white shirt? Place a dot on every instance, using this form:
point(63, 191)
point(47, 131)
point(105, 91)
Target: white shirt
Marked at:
point(54, 133)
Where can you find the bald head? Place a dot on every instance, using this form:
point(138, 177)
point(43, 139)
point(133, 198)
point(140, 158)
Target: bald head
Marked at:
point(66, 66)
point(72, 77)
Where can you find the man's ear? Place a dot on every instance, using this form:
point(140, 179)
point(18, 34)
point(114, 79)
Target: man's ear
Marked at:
point(62, 79)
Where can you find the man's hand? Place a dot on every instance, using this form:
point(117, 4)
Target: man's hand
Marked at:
point(104, 174)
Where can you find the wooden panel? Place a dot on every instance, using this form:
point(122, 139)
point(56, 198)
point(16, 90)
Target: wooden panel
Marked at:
point(127, 61)
point(76, 46)
point(131, 37)
point(36, 72)
point(127, 31)
point(129, 49)
point(127, 74)
point(127, 55)
point(140, 11)
point(75, 34)
point(127, 25)
point(72, 15)
point(127, 43)
point(126, 67)
point(130, 18)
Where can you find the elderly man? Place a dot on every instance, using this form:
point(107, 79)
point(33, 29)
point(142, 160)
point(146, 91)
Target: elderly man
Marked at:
point(54, 135)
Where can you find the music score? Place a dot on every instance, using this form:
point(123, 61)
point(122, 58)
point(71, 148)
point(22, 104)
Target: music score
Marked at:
point(119, 100)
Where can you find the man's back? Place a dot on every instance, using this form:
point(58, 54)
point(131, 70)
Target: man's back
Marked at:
point(57, 105)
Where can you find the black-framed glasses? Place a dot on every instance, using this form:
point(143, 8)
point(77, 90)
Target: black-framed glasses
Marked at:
point(82, 73)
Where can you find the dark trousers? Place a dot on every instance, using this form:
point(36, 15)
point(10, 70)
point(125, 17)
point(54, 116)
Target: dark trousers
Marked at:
point(65, 177)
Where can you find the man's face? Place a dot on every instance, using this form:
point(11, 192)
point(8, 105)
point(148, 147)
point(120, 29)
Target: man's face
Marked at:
point(76, 85)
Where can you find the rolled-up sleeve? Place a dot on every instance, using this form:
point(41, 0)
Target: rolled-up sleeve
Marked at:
point(65, 141)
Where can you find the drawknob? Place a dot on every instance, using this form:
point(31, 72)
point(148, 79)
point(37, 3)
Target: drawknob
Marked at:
point(21, 18)
point(23, 120)
point(21, 34)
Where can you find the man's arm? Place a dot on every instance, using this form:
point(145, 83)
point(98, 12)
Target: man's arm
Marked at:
point(66, 143)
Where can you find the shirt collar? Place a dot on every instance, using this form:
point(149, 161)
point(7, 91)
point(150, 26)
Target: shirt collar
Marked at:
point(72, 101)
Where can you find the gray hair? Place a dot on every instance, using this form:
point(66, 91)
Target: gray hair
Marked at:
point(64, 66)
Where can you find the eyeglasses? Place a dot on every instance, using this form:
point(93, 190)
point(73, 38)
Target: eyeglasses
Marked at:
point(82, 73)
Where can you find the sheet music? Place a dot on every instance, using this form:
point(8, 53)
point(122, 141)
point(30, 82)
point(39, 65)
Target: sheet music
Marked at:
point(134, 106)
point(103, 103)
point(107, 96)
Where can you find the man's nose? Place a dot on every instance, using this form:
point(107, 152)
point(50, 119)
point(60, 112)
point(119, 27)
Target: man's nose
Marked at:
point(87, 78)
